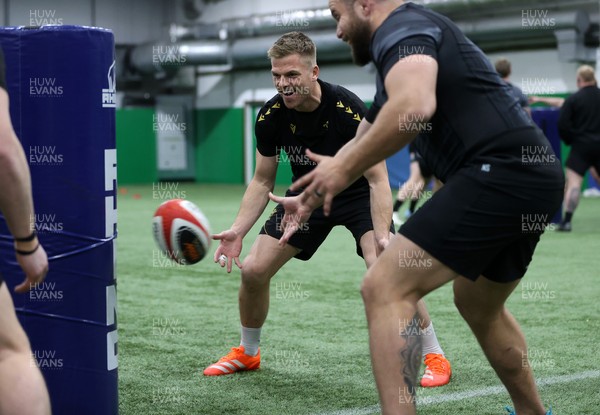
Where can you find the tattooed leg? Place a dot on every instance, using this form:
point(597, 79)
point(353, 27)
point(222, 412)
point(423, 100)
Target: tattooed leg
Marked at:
point(410, 355)
point(391, 293)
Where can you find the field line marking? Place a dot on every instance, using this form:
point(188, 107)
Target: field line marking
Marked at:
point(459, 396)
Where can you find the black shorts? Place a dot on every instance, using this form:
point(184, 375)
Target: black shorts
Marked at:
point(583, 156)
point(488, 222)
point(352, 211)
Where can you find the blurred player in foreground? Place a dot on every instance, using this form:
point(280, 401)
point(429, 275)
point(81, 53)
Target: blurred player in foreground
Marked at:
point(22, 387)
point(479, 230)
point(306, 113)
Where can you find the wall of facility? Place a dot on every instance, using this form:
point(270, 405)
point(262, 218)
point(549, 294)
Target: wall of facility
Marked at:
point(219, 114)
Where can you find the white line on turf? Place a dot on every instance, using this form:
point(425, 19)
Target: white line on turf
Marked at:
point(459, 396)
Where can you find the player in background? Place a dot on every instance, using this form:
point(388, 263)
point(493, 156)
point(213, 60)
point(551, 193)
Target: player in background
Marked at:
point(472, 230)
point(567, 136)
point(579, 126)
point(22, 387)
point(306, 113)
point(504, 69)
point(413, 189)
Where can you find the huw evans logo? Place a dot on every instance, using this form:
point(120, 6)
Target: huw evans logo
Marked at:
point(44, 17)
point(168, 55)
point(46, 222)
point(45, 291)
point(46, 359)
point(109, 99)
point(45, 155)
point(45, 87)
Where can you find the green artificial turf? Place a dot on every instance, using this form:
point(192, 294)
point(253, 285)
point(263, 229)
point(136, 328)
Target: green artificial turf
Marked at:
point(175, 320)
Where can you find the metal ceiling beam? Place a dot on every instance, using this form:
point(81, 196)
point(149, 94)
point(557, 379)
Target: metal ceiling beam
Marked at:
point(242, 43)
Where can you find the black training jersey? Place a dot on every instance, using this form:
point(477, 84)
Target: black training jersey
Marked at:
point(579, 121)
point(286, 134)
point(475, 108)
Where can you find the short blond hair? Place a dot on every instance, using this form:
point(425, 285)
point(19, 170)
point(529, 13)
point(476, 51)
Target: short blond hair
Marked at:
point(586, 73)
point(294, 43)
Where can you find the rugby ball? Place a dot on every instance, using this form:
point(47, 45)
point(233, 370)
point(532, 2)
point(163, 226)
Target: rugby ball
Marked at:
point(181, 231)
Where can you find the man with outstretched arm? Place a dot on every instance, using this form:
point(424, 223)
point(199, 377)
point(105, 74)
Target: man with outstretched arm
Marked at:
point(471, 231)
point(306, 113)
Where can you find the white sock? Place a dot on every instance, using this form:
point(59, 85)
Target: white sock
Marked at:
point(429, 341)
point(250, 340)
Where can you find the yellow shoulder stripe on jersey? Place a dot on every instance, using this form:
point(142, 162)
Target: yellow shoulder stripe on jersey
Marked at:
point(261, 118)
point(349, 110)
point(268, 111)
point(276, 105)
point(356, 117)
point(340, 104)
